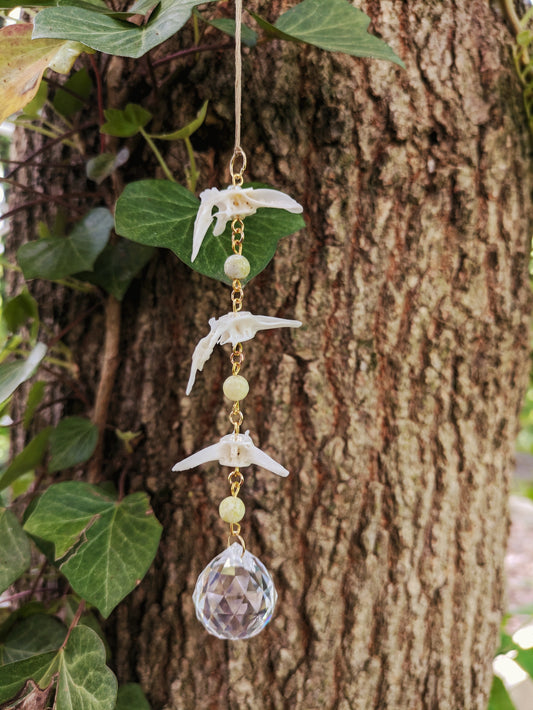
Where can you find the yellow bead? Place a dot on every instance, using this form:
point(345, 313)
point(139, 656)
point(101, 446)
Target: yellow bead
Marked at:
point(236, 387)
point(231, 510)
point(236, 266)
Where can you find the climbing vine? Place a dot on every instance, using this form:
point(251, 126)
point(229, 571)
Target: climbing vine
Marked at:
point(94, 539)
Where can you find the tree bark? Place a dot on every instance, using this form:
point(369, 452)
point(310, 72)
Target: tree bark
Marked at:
point(395, 405)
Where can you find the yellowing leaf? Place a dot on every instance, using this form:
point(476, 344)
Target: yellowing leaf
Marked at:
point(23, 61)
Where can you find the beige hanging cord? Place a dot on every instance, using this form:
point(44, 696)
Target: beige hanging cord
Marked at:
point(238, 152)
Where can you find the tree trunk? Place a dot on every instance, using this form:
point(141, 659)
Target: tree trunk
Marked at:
point(394, 406)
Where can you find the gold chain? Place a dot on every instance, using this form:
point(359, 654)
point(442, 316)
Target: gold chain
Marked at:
point(235, 479)
point(237, 235)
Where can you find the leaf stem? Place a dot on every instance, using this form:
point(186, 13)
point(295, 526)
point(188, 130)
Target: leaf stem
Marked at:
point(75, 620)
point(157, 154)
point(192, 173)
point(513, 18)
point(51, 144)
point(192, 50)
point(110, 363)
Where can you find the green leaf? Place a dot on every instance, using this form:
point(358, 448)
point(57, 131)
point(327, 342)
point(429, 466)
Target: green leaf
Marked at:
point(160, 213)
point(13, 676)
point(524, 658)
point(127, 122)
point(131, 697)
point(28, 459)
point(108, 544)
point(187, 130)
point(13, 374)
point(17, 311)
point(81, 84)
point(56, 257)
point(73, 441)
point(226, 25)
point(113, 36)
point(69, 611)
point(32, 109)
point(15, 555)
point(31, 636)
point(105, 164)
point(335, 26)
point(84, 679)
point(35, 397)
point(499, 697)
point(117, 266)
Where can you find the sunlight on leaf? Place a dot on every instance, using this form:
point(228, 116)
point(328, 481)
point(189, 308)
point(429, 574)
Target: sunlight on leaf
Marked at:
point(13, 374)
point(111, 35)
point(23, 62)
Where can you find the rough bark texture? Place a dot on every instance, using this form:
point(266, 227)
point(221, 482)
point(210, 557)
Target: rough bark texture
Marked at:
point(394, 406)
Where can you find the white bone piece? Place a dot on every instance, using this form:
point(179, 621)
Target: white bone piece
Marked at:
point(235, 450)
point(232, 328)
point(235, 201)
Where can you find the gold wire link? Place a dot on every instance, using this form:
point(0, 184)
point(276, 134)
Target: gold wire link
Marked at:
point(236, 480)
point(236, 534)
point(237, 295)
point(236, 359)
point(237, 235)
point(237, 175)
point(236, 417)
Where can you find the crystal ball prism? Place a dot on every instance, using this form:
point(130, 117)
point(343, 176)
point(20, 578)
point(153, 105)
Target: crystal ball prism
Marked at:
point(234, 596)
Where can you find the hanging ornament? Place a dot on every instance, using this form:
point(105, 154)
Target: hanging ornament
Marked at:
point(235, 595)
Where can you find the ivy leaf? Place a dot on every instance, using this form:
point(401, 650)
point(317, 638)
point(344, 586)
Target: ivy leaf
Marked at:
point(108, 545)
point(117, 266)
point(131, 697)
point(126, 123)
point(103, 165)
point(73, 441)
point(114, 36)
point(227, 25)
point(187, 130)
point(15, 553)
point(81, 84)
point(335, 26)
point(23, 61)
point(28, 459)
point(33, 635)
point(13, 676)
point(17, 311)
point(499, 697)
point(35, 397)
point(84, 681)
point(13, 374)
point(160, 213)
point(56, 257)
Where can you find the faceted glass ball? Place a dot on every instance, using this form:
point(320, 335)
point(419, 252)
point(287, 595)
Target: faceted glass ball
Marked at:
point(234, 596)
